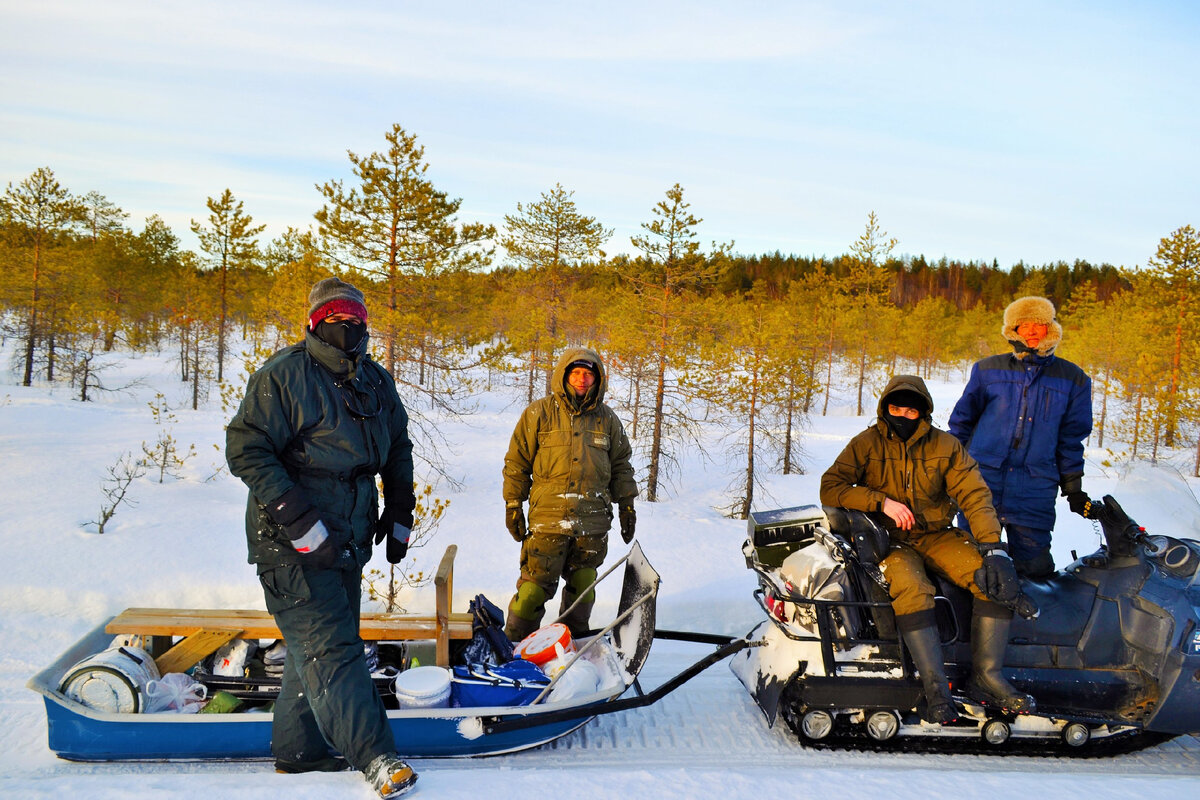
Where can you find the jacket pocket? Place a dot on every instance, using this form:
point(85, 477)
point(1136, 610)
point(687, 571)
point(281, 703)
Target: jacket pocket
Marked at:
point(284, 587)
point(1054, 406)
point(552, 462)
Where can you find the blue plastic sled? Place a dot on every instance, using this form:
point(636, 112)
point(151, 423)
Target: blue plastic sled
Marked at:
point(78, 733)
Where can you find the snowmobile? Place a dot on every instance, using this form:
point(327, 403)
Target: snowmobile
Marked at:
point(1109, 646)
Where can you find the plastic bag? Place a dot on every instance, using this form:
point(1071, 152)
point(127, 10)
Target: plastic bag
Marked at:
point(230, 660)
point(175, 692)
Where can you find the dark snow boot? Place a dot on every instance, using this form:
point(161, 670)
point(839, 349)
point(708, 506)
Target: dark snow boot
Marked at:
point(578, 621)
point(389, 776)
point(989, 640)
point(517, 628)
point(926, 650)
point(329, 764)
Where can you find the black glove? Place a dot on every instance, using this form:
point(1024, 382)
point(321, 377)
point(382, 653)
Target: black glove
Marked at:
point(324, 557)
point(316, 548)
point(304, 529)
point(1081, 504)
point(628, 520)
point(514, 520)
point(396, 526)
point(998, 577)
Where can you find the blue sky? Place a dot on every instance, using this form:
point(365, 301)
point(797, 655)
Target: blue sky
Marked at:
point(1033, 131)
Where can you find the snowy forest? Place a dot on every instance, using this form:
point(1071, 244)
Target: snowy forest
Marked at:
point(763, 341)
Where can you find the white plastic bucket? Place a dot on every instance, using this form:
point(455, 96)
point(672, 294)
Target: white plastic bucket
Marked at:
point(113, 680)
point(423, 687)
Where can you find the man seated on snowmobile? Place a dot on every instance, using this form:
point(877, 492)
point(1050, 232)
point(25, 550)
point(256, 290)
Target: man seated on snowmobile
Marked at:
point(919, 477)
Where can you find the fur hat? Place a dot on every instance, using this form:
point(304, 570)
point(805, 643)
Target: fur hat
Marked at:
point(334, 296)
point(1031, 309)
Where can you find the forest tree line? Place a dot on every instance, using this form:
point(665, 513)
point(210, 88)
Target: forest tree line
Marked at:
point(763, 341)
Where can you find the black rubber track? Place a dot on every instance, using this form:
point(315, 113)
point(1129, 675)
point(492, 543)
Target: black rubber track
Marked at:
point(1118, 744)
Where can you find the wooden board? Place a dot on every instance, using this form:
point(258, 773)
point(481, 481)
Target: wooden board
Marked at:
point(188, 652)
point(202, 627)
point(254, 624)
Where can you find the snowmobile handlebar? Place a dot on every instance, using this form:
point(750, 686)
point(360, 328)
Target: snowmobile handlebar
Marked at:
point(1121, 533)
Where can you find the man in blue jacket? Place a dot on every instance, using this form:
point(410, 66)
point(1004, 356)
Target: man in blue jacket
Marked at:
point(1024, 417)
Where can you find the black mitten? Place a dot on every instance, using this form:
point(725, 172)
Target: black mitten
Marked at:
point(998, 577)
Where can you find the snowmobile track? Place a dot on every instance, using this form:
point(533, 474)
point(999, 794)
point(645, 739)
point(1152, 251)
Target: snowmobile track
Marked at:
point(711, 721)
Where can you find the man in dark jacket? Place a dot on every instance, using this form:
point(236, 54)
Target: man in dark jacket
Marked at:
point(570, 458)
point(918, 477)
point(1024, 417)
point(318, 422)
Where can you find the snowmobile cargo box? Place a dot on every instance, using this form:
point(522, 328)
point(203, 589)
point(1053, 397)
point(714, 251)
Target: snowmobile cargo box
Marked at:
point(777, 533)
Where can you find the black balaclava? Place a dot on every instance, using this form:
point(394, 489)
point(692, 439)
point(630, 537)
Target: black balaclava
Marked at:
point(345, 335)
point(904, 427)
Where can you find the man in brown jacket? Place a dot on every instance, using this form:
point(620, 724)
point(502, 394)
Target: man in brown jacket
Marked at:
point(570, 458)
point(919, 477)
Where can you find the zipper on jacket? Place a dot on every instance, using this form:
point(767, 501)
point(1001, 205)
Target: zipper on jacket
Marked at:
point(1020, 431)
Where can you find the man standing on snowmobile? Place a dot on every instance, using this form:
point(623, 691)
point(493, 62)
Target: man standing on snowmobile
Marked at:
point(918, 477)
point(1024, 417)
point(570, 458)
point(318, 422)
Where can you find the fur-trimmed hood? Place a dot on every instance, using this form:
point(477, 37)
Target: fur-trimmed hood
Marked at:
point(1032, 309)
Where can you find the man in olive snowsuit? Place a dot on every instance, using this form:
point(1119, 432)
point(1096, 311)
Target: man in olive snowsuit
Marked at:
point(918, 477)
point(319, 421)
point(570, 458)
point(1024, 417)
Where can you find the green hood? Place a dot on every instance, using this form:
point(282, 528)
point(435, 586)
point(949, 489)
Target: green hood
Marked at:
point(909, 383)
point(595, 395)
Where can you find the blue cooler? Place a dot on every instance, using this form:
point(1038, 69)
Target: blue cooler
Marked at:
point(516, 683)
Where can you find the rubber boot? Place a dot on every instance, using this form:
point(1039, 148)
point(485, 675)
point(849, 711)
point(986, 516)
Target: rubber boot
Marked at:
point(517, 628)
point(578, 621)
point(925, 647)
point(525, 611)
point(989, 640)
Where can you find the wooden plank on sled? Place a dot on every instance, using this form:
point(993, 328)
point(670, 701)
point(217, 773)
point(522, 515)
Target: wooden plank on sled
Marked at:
point(159, 624)
point(192, 649)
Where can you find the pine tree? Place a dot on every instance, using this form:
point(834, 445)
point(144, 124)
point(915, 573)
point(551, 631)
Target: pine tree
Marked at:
point(401, 233)
point(1176, 266)
point(870, 285)
point(102, 215)
point(926, 333)
point(40, 210)
point(548, 238)
point(231, 246)
point(671, 273)
point(743, 376)
point(293, 263)
point(158, 266)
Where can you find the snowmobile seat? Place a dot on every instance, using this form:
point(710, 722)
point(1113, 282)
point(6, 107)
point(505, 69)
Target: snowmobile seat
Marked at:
point(870, 540)
point(871, 544)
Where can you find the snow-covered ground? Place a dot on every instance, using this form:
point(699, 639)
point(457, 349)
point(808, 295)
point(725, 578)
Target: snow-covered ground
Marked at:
point(182, 545)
